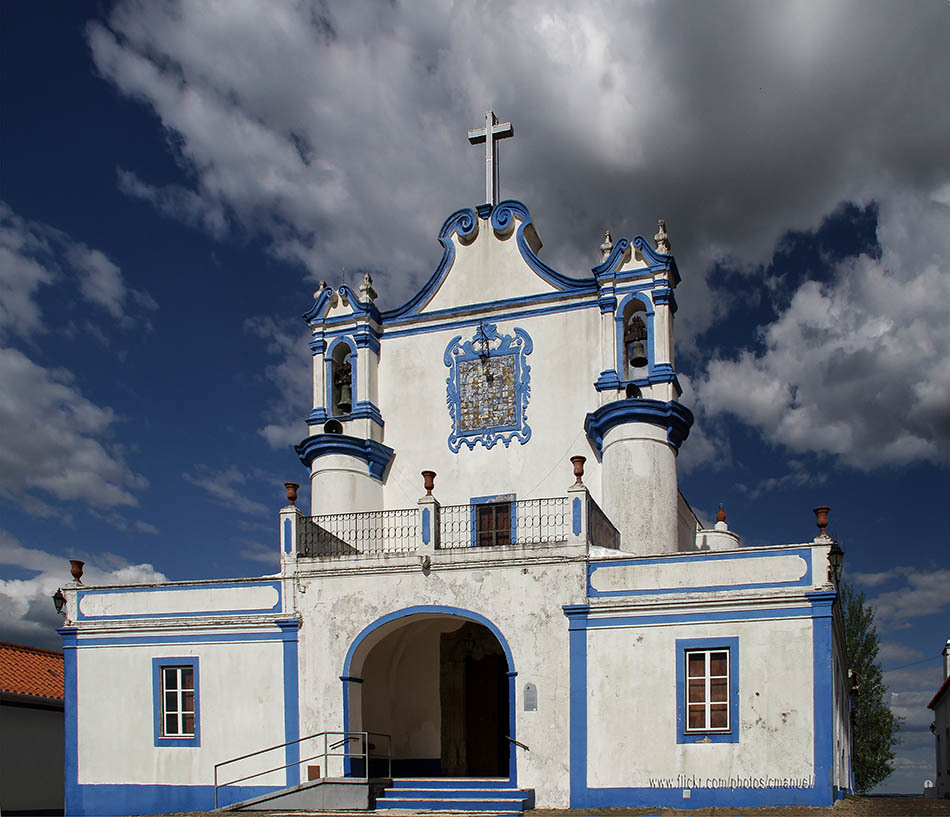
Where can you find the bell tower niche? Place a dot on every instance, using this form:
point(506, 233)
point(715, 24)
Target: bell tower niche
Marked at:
point(345, 450)
point(639, 426)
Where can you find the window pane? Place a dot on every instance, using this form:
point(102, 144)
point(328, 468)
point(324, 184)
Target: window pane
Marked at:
point(718, 661)
point(696, 665)
point(718, 715)
point(188, 722)
point(697, 691)
point(171, 702)
point(187, 678)
point(188, 702)
point(718, 690)
point(170, 675)
point(697, 717)
point(171, 724)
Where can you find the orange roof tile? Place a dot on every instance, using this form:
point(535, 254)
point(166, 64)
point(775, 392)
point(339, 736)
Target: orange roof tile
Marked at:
point(31, 671)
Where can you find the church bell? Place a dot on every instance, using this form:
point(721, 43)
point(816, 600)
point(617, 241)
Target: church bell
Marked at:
point(638, 354)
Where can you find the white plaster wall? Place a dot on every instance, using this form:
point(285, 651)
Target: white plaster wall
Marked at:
point(524, 602)
point(640, 496)
point(167, 600)
point(564, 364)
point(686, 525)
point(31, 758)
point(241, 709)
point(631, 699)
point(941, 722)
point(340, 483)
point(487, 269)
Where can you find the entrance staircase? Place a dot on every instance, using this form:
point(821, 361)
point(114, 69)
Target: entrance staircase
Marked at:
point(465, 794)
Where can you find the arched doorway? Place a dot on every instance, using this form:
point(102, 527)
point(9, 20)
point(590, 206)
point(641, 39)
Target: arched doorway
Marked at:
point(441, 682)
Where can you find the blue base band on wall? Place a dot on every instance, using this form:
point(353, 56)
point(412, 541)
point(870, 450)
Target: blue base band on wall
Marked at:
point(376, 455)
point(114, 799)
point(673, 416)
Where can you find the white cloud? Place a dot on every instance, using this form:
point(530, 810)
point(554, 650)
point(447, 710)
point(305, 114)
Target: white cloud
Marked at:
point(54, 439)
point(33, 254)
point(922, 593)
point(858, 368)
point(292, 374)
point(892, 652)
point(27, 614)
point(221, 486)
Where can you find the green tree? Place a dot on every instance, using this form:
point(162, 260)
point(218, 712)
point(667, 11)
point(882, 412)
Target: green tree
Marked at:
point(875, 726)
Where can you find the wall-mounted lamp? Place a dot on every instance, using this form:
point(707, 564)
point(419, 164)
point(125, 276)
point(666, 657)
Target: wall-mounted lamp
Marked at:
point(59, 600)
point(835, 562)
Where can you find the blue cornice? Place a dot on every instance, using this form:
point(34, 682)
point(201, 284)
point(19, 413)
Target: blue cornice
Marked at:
point(465, 223)
point(609, 380)
point(502, 221)
point(362, 409)
point(673, 416)
point(317, 346)
point(656, 261)
point(376, 455)
point(357, 307)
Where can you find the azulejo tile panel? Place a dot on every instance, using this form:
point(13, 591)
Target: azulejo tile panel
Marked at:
point(488, 387)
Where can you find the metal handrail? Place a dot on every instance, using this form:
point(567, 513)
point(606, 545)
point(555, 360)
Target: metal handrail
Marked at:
point(348, 737)
point(517, 743)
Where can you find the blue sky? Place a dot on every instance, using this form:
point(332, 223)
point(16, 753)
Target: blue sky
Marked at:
point(175, 180)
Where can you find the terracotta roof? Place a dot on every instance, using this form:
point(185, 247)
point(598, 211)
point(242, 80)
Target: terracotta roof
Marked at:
point(31, 671)
point(943, 688)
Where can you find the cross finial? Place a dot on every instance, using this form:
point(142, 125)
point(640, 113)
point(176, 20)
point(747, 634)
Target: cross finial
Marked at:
point(489, 134)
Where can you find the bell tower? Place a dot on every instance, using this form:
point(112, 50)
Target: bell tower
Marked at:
point(640, 425)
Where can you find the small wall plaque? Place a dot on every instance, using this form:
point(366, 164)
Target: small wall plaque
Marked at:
point(530, 698)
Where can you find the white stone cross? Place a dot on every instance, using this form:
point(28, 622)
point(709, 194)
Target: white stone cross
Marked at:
point(489, 134)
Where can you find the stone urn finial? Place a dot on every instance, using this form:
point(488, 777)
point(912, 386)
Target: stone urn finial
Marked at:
point(429, 477)
point(292, 488)
point(75, 567)
point(578, 463)
point(721, 513)
point(661, 238)
point(607, 246)
point(821, 519)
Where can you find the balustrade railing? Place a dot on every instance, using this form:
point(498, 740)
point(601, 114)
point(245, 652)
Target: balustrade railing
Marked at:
point(370, 532)
point(525, 521)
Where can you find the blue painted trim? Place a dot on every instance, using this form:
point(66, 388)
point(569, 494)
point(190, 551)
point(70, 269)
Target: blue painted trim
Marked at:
point(288, 536)
point(615, 259)
point(610, 381)
point(656, 262)
point(192, 638)
point(518, 346)
point(116, 799)
point(72, 801)
point(426, 526)
point(484, 210)
point(157, 665)
point(352, 356)
point(465, 224)
point(503, 221)
point(666, 297)
point(317, 346)
point(317, 416)
point(476, 314)
point(709, 617)
point(80, 616)
point(322, 305)
point(376, 455)
point(682, 646)
point(475, 501)
point(450, 611)
point(643, 296)
point(576, 519)
point(289, 629)
point(804, 581)
point(366, 339)
point(673, 416)
point(818, 792)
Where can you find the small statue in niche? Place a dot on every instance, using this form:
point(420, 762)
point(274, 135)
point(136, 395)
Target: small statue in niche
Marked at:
point(634, 335)
point(343, 379)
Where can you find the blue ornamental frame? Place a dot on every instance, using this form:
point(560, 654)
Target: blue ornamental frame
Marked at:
point(486, 340)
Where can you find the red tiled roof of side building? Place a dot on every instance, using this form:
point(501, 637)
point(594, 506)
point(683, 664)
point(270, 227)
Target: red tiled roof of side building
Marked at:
point(31, 671)
point(943, 688)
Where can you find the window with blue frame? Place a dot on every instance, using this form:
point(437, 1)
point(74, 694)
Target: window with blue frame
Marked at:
point(707, 690)
point(493, 520)
point(175, 689)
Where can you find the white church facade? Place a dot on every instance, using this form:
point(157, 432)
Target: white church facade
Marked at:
point(499, 597)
